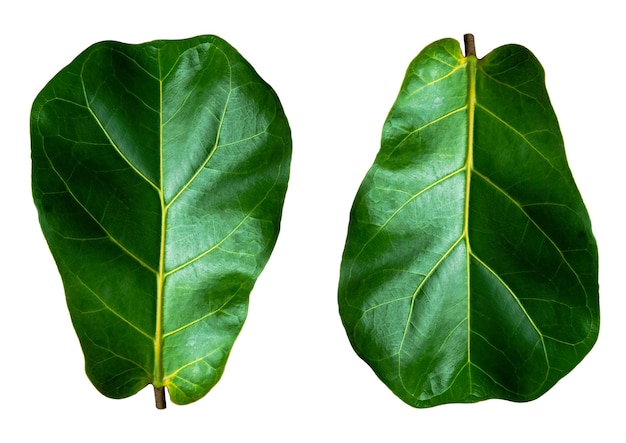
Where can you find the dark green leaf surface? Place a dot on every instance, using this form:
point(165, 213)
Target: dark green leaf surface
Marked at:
point(470, 268)
point(159, 174)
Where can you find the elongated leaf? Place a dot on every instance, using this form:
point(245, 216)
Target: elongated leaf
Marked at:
point(159, 174)
point(470, 267)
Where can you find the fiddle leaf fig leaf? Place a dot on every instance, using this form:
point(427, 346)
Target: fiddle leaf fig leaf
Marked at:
point(159, 172)
point(470, 269)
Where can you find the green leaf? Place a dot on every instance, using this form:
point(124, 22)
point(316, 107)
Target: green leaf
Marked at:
point(159, 174)
point(470, 270)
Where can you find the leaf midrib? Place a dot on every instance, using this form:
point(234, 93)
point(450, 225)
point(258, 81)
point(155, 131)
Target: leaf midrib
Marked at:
point(158, 333)
point(469, 163)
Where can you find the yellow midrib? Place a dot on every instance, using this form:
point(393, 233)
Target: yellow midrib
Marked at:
point(471, 102)
point(158, 333)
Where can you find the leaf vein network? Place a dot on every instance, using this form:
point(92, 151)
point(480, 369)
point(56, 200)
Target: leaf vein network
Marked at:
point(192, 362)
point(435, 81)
point(417, 290)
point(520, 305)
point(229, 234)
point(213, 150)
point(95, 219)
point(427, 124)
point(204, 317)
point(109, 308)
point(400, 208)
point(514, 88)
point(108, 136)
point(134, 61)
point(519, 134)
point(116, 355)
point(534, 223)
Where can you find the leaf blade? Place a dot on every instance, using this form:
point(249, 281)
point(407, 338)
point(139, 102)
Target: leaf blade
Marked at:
point(157, 233)
point(473, 167)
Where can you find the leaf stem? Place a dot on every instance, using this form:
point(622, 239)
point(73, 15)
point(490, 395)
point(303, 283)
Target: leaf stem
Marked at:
point(470, 47)
point(159, 397)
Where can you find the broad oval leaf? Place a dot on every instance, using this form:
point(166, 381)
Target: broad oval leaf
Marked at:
point(159, 175)
point(470, 268)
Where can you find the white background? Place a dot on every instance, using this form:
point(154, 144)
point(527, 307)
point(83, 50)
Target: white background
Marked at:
point(337, 68)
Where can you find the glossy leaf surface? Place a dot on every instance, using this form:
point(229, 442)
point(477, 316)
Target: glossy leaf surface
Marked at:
point(470, 268)
point(159, 174)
